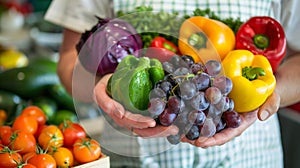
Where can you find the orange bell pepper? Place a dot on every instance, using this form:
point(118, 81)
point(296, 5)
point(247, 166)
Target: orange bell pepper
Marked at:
point(205, 39)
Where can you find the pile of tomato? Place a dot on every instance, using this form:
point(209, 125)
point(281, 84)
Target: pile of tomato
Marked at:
point(30, 142)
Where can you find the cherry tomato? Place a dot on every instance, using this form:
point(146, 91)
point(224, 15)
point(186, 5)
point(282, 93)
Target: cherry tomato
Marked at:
point(25, 123)
point(36, 112)
point(22, 142)
point(86, 150)
point(42, 160)
point(51, 137)
point(8, 158)
point(27, 165)
point(4, 130)
point(71, 131)
point(63, 157)
point(39, 130)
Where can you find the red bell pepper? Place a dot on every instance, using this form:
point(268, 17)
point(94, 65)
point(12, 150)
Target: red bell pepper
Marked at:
point(265, 36)
point(162, 49)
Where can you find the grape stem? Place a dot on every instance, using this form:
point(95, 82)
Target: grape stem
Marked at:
point(181, 76)
point(184, 76)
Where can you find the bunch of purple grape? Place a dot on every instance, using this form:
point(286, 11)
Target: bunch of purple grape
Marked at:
point(194, 97)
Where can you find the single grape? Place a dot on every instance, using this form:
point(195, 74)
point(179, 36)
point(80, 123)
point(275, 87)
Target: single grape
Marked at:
point(187, 90)
point(214, 114)
point(208, 128)
point(174, 139)
point(178, 62)
point(223, 104)
point(188, 60)
point(157, 93)
point(220, 126)
point(232, 119)
point(197, 68)
point(202, 81)
point(199, 101)
point(181, 71)
point(231, 105)
point(213, 95)
point(181, 121)
point(196, 117)
point(223, 83)
point(168, 67)
point(167, 118)
point(156, 106)
point(174, 104)
point(166, 86)
point(213, 67)
point(193, 133)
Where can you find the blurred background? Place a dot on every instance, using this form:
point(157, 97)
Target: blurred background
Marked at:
point(28, 59)
point(26, 36)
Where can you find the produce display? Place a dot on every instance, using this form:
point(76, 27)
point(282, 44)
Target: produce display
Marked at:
point(35, 84)
point(30, 141)
point(198, 72)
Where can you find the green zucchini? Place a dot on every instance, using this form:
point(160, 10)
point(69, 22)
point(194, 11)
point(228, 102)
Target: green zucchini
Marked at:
point(9, 102)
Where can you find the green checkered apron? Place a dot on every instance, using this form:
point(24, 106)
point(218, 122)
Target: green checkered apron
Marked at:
point(258, 147)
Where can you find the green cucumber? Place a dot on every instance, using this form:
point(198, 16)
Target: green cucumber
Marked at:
point(27, 82)
point(9, 102)
point(48, 105)
point(61, 96)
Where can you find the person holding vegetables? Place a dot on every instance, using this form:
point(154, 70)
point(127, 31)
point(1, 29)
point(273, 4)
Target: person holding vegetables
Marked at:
point(255, 143)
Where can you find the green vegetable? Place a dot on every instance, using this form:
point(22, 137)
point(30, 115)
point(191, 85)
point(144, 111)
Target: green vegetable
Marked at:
point(63, 99)
point(48, 105)
point(9, 102)
point(62, 115)
point(133, 80)
point(150, 24)
point(29, 81)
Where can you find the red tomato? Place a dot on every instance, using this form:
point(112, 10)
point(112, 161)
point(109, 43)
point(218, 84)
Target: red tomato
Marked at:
point(4, 130)
point(71, 131)
point(8, 158)
point(36, 112)
point(42, 160)
point(86, 150)
point(39, 130)
point(27, 165)
point(22, 142)
point(50, 137)
point(63, 157)
point(25, 123)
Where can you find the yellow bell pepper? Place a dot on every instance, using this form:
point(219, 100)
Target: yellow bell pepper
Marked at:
point(205, 39)
point(252, 77)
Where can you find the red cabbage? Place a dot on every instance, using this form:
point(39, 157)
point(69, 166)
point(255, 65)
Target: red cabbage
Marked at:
point(106, 44)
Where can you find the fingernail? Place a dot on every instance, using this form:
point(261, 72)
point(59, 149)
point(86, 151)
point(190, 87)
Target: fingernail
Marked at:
point(264, 115)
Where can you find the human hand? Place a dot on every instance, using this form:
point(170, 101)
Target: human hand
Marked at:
point(141, 125)
point(270, 107)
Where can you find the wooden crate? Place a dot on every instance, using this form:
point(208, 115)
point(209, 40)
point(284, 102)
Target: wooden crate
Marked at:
point(103, 162)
